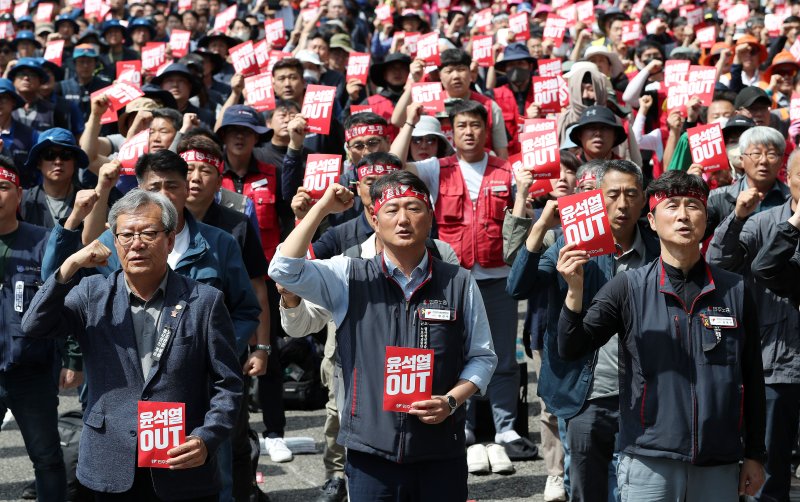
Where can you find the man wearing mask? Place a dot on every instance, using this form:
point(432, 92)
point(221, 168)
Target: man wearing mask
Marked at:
point(517, 94)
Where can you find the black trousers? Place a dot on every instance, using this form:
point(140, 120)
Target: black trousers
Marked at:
point(142, 491)
point(592, 438)
point(270, 385)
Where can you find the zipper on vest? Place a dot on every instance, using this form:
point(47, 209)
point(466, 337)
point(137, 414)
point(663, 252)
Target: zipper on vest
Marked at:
point(692, 387)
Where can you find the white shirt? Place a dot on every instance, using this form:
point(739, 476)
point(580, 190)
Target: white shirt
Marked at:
point(181, 245)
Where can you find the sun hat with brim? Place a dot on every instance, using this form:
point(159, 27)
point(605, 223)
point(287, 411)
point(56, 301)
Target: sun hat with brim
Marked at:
point(142, 103)
point(179, 70)
point(783, 59)
point(683, 51)
point(244, 116)
point(748, 96)
point(91, 36)
point(514, 52)
point(429, 126)
point(753, 42)
point(158, 94)
point(45, 28)
point(598, 115)
point(56, 137)
point(716, 50)
point(212, 35)
point(58, 71)
point(25, 19)
point(142, 22)
point(579, 66)
point(112, 24)
point(341, 41)
point(311, 57)
point(25, 36)
point(216, 60)
point(66, 18)
point(376, 70)
point(612, 56)
point(7, 87)
point(28, 64)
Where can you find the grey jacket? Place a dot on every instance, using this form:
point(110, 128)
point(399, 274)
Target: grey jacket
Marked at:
point(734, 246)
point(721, 201)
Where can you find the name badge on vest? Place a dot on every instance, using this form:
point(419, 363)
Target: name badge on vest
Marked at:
point(499, 189)
point(258, 184)
point(436, 314)
point(19, 296)
point(407, 377)
point(719, 321)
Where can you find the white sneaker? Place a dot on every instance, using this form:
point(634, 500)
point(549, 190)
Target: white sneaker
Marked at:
point(478, 459)
point(554, 489)
point(499, 460)
point(277, 450)
point(7, 419)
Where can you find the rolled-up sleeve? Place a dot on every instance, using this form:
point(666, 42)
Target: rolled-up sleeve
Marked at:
point(481, 359)
point(304, 319)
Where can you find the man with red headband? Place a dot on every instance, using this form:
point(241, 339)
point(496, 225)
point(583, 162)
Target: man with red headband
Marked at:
point(417, 303)
point(690, 376)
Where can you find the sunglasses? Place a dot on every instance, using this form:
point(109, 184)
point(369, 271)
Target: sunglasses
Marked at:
point(51, 155)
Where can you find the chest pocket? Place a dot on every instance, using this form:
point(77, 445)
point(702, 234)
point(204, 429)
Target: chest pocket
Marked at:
point(719, 345)
point(498, 200)
point(263, 196)
point(451, 203)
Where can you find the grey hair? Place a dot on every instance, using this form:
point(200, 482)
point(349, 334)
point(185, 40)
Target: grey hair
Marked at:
point(590, 167)
point(763, 136)
point(623, 166)
point(137, 199)
point(170, 114)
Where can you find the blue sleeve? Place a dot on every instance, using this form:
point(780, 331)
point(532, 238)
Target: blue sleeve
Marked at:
point(736, 83)
point(327, 246)
point(481, 359)
point(76, 119)
point(528, 269)
point(239, 295)
point(64, 243)
point(57, 310)
point(292, 175)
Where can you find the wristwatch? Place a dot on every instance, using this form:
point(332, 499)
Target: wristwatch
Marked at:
point(452, 403)
point(267, 348)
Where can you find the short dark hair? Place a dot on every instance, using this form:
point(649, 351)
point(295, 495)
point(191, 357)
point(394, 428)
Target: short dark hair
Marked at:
point(469, 107)
point(162, 161)
point(570, 160)
point(201, 143)
point(191, 13)
point(169, 114)
point(7, 163)
point(623, 166)
point(283, 104)
point(649, 44)
point(380, 158)
point(289, 64)
point(365, 118)
point(397, 178)
point(678, 181)
point(454, 57)
point(202, 131)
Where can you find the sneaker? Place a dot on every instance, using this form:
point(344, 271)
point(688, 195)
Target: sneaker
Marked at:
point(478, 459)
point(29, 492)
point(277, 450)
point(334, 490)
point(498, 459)
point(521, 449)
point(554, 489)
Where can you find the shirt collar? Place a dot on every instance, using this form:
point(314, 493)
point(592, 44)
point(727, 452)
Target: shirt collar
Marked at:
point(162, 287)
point(637, 246)
point(421, 268)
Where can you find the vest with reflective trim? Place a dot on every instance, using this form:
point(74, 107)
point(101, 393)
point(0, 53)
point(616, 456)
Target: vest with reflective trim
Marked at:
point(260, 187)
point(475, 231)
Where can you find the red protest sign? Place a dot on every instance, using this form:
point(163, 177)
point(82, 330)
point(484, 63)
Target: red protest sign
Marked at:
point(110, 115)
point(275, 32)
point(318, 108)
point(545, 94)
point(538, 187)
point(262, 54)
point(585, 11)
point(360, 109)
point(538, 125)
point(675, 71)
point(430, 95)
point(737, 14)
point(794, 107)
point(154, 57)
point(707, 36)
point(795, 49)
point(384, 13)
point(130, 72)
point(20, 9)
point(321, 170)
point(44, 12)
point(540, 154)
point(631, 32)
point(161, 427)
point(274, 57)
point(557, 4)
point(692, 13)
point(358, 67)
point(554, 29)
point(483, 19)
point(122, 93)
point(518, 24)
point(669, 5)
point(585, 222)
point(428, 48)
point(6, 6)
point(549, 67)
point(243, 58)
point(410, 39)
point(131, 150)
point(93, 9)
point(259, 92)
point(184, 5)
point(701, 81)
point(54, 50)
point(708, 147)
point(408, 373)
point(772, 23)
point(179, 42)
point(482, 50)
point(7, 30)
point(224, 18)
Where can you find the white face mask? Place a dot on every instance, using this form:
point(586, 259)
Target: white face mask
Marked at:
point(311, 76)
point(722, 121)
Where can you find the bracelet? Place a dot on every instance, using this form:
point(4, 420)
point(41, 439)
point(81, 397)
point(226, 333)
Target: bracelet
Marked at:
point(410, 124)
point(266, 348)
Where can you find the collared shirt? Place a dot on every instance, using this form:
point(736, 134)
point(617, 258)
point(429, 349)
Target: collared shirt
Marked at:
point(145, 316)
point(409, 284)
point(632, 258)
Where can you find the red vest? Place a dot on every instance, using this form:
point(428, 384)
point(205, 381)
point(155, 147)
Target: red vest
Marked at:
point(260, 187)
point(504, 97)
point(475, 231)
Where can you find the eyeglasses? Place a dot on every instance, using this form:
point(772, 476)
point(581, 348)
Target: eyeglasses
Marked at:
point(757, 156)
point(429, 140)
point(51, 155)
point(371, 143)
point(125, 239)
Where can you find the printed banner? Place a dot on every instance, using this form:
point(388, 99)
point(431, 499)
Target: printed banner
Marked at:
point(708, 147)
point(318, 108)
point(54, 50)
point(540, 154)
point(430, 95)
point(179, 42)
point(243, 57)
point(130, 72)
point(482, 50)
point(321, 171)
point(549, 67)
point(131, 150)
point(161, 427)
point(259, 92)
point(545, 94)
point(358, 67)
point(407, 378)
point(585, 222)
point(428, 48)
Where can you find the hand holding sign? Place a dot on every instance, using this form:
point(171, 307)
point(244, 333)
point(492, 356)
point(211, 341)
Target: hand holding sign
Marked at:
point(570, 265)
point(192, 453)
point(407, 381)
point(585, 222)
point(708, 147)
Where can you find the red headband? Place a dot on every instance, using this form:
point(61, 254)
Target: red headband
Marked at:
point(659, 197)
point(198, 156)
point(397, 192)
point(9, 176)
point(587, 176)
point(366, 130)
point(375, 169)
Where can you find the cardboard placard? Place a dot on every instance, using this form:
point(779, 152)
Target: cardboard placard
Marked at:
point(318, 108)
point(794, 107)
point(121, 93)
point(259, 92)
point(707, 36)
point(54, 50)
point(44, 12)
point(131, 150)
point(708, 147)
point(549, 67)
point(585, 12)
point(538, 125)
point(243, 58)
point(275, 33)
point(428, 48)
point(407, 378)
point(540, 154)
point(483, 20)
point(631, 32)
point(518, 24)
point(154, 57)
point(358, 67)
point(701, 81)
point(737, 14)
point(130, 72)
point(545, 94)
point(160, 427)
point(430, 95)
point(554, 29)
point(262, 55)
point(224, 18)
point(321, 171)
point(675, 72)
point(482, 50)
point(585, 222)
point(179, 42)
point(410, 39)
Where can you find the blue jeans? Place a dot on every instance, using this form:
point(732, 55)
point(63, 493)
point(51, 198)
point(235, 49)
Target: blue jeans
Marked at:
point(32, 396)
point(649, 478)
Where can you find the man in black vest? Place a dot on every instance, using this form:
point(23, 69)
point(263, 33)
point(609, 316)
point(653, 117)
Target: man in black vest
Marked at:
point(691, 379)
point(421, 303)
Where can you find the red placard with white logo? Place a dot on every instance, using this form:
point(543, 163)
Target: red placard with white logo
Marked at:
point(554, 29)
point(538, 187)
point(131, 150)
point(549, 67)
point(430, 95)
point(160, 428)
point(224, 18)
point(557, 4)
point(407, 378)
point(358, 67)
point(154, 57)
point(243, 58)
point(21, 9)
point(794, 107)
point(121, 93)
point(569, 12)
point(93, 9)
point(262, 54)
point(585, 222)
point(483, 19)
point(675, 71)
point(130, 72)
point(384, 13)
point(110, 115)
point(428, 48)
point(772, 23)
point(585, 12)
point(274, 57)
point(321, 171)
point(482, 50)
point(259, 92)
point(44, 12)
point(708, 147)
point(518, 24)
point(7, 30)
point(737, 14)
point(410, 39)
point(707, 36)
point(275, 32)
point(631, 32)
point(692, 13)
point(54, 50)
point(6, 6)
point(538, 125)
point(361, 109)
point(540, 154)
point(795, 49)
point(545, 94)
point(184, 5)
point(318, 108)
point(179, 42)
point(701, 81)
